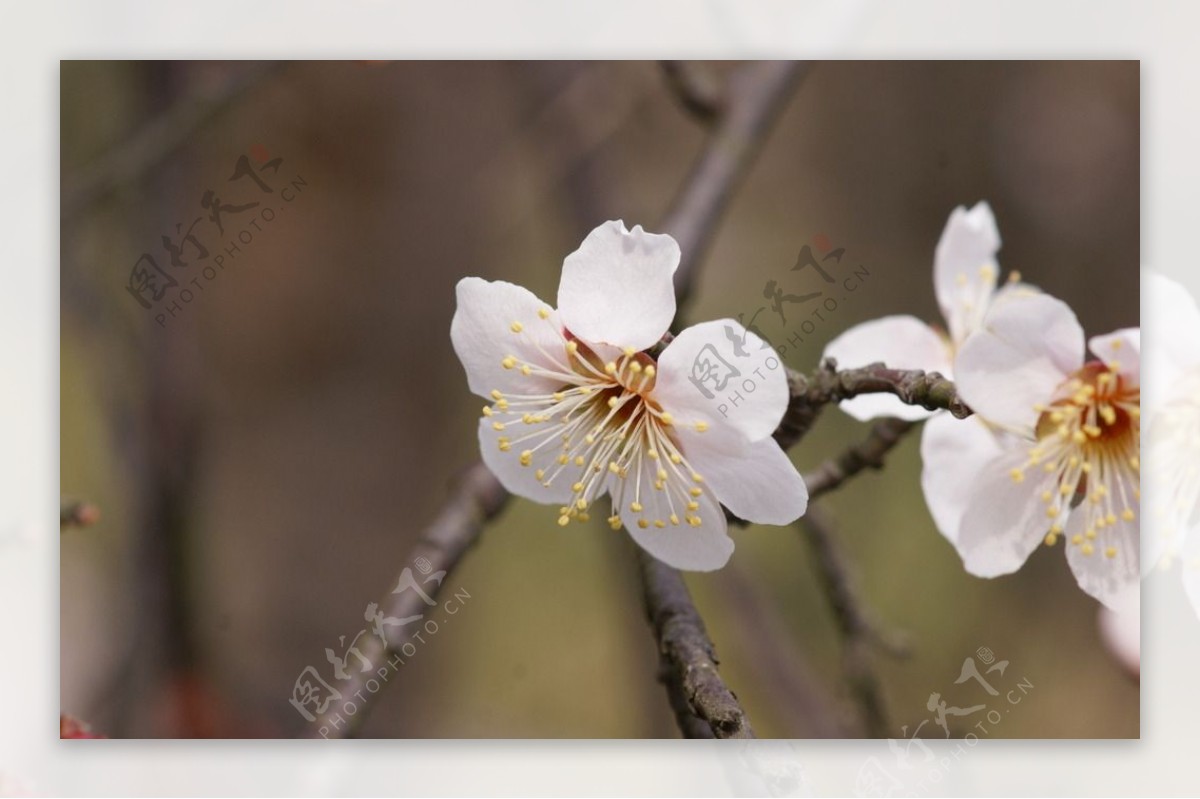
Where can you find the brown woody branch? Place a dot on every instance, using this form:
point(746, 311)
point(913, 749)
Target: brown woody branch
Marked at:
point(704, 706)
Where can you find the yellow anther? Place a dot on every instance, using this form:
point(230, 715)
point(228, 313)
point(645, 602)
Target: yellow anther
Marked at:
point(642, 523)
point(674, 519)
point(508, 362)
point(497, 425)
point(676, 458)
point(1052, 512)
point(697, 478)
point(662, 474)
point(516, 327)
point(1077, 539)
point(543, 313)
point(1078, 437)
point(562, 459)
point(1090, 534)
point(589, 439)
point(1047, 496)
point(1048, 467)
point(1115, 344)
point(667, 419)
point(1111, 518)
point(612, 402)
point(701, 426)
point(659, 523)
point(1091, 430)
point(502, 404)
point(1111, 552)
point(652, 454)
point(572, 347)
point(1127, 514)
point(1017, 475)
point(487, 410)
point(987, 272)
point(635, 367)
point(1108, 415)
point(1065, 489)
point(613, 467)
point(577, 487)
point(650, 370)
point(1087, 549)
point(505, 446)
point(693, 506)
point(581, 503)
point(540, 474)
point(564, 520)
point(695, 492)
point(1135, 462)
point(1014, 276)
point(1051, 539)
point(1086, 468)
point(583, 517)
point(630, 352)
point(636, 507)
point(578, 460)
point(659, 485)
point(526, 457)
point(559, 396)
point(610, 368)
point(694, 521)
point(525, 370)
point(614, 522)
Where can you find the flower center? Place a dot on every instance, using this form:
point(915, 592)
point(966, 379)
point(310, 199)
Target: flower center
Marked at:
point(602, 430)
point(1088, 442)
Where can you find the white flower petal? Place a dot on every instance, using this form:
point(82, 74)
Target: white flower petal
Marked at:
point(617, 288)
point(759, 484)
point(901, 342)
point(722, 374)
point(953, 453)
point(965, 269)
point(1026, 349)
point(1004, 521)
point(521, 480)
point(482, 335)
point(1099, 575)
point(1123, 348)
point(704, 547)
point(1173, 336)
point(1121, 630)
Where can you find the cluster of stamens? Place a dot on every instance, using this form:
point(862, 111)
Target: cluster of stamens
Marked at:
point(1088, 440)
point(601, 430)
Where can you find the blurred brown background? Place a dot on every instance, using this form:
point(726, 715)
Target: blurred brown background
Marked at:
point(266, 459)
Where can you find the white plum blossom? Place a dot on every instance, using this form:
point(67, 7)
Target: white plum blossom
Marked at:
point(965, 277)
point(1068, 467)
point(1173, 430)
point(582, 405)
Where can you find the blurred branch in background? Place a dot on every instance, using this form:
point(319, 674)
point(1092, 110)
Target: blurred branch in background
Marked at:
point(860, 634)
point(868, 454)
point(755, 95)
point(158, 139)
point(696, 89)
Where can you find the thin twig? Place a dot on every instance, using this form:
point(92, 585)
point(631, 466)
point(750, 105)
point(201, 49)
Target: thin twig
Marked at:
point(868, 454)
point(826, 386)
point(689, 659)
point(477, 499)
point(695, 88)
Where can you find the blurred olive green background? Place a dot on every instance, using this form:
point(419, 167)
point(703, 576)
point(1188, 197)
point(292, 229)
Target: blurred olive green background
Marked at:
point(265, 462)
